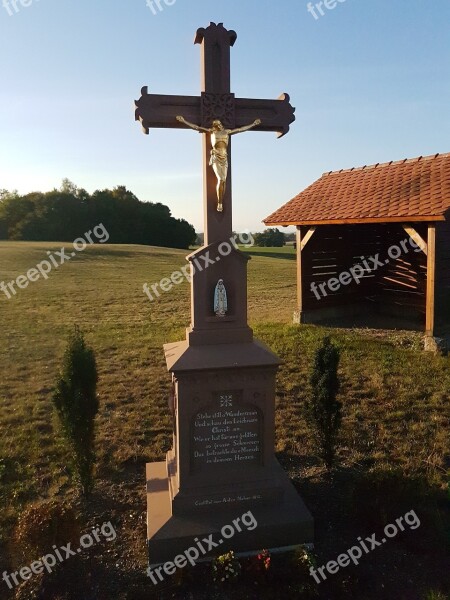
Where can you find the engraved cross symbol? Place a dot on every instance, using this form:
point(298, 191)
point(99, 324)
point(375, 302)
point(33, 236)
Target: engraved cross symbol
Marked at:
point(226, 401)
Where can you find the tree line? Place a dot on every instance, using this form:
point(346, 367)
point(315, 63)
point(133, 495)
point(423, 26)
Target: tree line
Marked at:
point(67, 213)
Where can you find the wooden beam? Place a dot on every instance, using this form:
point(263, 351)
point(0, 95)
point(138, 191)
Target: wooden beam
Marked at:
point(308, 236)
point(431, 265)
point(414, 235)
point(299, 273)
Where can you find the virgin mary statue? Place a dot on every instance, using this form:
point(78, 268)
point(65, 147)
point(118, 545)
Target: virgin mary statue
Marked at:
point(220, 299)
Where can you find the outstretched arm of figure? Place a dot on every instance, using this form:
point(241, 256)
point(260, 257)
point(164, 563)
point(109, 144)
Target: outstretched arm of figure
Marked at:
point(246, 128)
point(193, 125)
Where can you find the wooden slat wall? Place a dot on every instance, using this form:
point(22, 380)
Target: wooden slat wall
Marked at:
point(403, 281)
point(442, 290)
point(332, 250)
point(336, 248)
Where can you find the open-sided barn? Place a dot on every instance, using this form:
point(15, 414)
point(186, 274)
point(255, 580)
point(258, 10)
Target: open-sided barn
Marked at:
point(375, 239)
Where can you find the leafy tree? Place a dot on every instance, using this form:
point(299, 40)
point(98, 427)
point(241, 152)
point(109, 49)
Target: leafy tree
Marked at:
point(323, 410)
point(67, 213)
point(4, 194)
point(270, 238)
point(68, 187)
point(76, 403)
point(13, 211)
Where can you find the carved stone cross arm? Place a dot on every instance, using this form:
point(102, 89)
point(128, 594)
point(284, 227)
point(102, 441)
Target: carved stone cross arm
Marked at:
point(161, 111)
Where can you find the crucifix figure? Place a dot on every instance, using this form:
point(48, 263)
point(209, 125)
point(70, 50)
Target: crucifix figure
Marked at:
point(217, 114)
point(220, 138)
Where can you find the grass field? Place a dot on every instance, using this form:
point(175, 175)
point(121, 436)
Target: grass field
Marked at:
point(394, 453)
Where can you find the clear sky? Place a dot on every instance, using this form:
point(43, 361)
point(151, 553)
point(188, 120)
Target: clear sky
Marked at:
point(370, 81)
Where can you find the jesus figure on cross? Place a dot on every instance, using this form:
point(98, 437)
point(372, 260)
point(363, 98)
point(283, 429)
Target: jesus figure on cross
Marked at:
point(220, 138)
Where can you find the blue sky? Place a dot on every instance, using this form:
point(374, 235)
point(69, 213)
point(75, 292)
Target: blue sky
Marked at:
point(370, 81)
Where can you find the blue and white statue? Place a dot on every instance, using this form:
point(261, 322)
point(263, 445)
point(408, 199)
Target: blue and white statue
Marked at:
point(220, 299)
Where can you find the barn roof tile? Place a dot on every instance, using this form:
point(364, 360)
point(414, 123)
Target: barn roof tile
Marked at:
point(416, 189)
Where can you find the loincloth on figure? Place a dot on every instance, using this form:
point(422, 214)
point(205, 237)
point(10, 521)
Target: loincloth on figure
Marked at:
point(220, 162)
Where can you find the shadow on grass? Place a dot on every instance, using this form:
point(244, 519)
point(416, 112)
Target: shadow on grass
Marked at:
point(350, 503)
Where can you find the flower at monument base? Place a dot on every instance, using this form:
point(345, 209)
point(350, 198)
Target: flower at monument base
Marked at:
point(264, 558)
point(305, 557)
point(258, 567)
point(226, 568)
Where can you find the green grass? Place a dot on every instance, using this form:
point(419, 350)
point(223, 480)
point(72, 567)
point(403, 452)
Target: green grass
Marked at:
point(284, 253)
point(396, 404)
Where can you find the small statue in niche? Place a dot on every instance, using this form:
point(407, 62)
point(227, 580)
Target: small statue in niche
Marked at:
point(220, 299)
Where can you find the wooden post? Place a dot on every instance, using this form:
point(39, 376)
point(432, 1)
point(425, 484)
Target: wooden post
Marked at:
point(431, 265)
point(298, 312)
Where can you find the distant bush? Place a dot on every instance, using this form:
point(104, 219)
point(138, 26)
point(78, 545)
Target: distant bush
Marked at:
point(323, 410)
point(270, 238)
point(76, 403)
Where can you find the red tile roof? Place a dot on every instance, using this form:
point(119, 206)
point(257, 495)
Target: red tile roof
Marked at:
point(415, 189)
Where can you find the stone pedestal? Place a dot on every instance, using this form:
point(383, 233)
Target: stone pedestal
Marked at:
point(280, 527)
point(222, 463)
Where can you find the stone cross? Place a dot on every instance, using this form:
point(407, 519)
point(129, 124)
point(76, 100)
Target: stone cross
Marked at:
point(222, 460)
point(215, 103)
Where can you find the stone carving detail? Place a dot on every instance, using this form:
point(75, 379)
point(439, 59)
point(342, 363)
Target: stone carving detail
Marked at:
point(218, 106)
